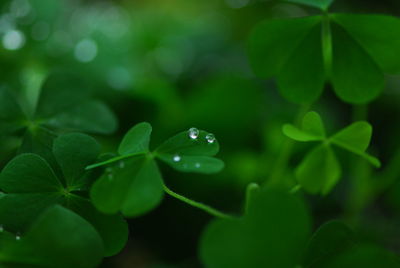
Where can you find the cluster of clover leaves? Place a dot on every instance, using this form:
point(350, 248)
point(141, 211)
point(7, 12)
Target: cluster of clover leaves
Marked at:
point(64, 205)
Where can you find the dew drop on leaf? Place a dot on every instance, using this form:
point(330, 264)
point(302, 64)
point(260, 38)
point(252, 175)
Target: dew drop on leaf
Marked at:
point(193, 133)
point(176, 158)
point(18, 237)
point(210, 138)
point(1, 228)
point(197, 165)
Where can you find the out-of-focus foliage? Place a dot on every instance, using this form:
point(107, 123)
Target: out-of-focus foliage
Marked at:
point(100, 67)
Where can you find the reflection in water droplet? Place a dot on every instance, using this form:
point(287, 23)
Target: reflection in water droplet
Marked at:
point(193, 133)
point(17, 237)
point(197, 165)
point(210, 138)
point(176, 158)
point(85, 50)
point(13, 40)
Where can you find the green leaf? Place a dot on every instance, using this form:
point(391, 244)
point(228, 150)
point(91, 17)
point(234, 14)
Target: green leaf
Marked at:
point(182, 144)
point(90, 116)
point(331, 239)
point(191, 154)
point(321, 4)
point(356, 77)
point(11, 115)
point(273, 41)
point(29, 173)
point(136, 140)
point(356, 138)
point(60, 92)
point(59, 237)
point(18, 211)
point(312, 129)
point(319, 171)
point(74, 152)
point(312, 123)
point(366, 256)
point(379, 35)
point(302, 77)
point(189, 163)
point(64, 106)
point(134, 189)
point(113, 229)
point(265, 237)
point(39, 140)
point(31, 186)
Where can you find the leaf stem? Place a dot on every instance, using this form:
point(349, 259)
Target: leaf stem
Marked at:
point(360, 177)
point(204, 207)
point(251, 188)
point(114, 159)
point(327, 44)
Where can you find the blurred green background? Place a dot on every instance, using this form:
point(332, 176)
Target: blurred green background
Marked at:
point(180, 64)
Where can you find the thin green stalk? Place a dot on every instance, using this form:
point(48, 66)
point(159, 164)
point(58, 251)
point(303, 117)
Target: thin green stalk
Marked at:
point(251, 188)
point(327, 44)
point(204, 207)
point(284, 156)
point(360, 177)
point(112, 160)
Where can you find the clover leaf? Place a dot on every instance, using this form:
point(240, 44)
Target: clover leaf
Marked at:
point(58, 107)
point(330, 240)
point(31, 185)
point(57, 238)
point(320, 170)
point(352, 52)
point(335, 245)
point(321, 4)
point(272, 233)
point(133, 184)
point(312, 129)
point(365, 255)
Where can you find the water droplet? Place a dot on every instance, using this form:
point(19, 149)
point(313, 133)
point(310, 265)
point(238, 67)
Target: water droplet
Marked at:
point(210, 138)
point(176, 158)
point(13, 40)
point(121, 164)
point(193, 133)
point(17, 237)
point(1, 228)
point(197, 165)
point(85, 50)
